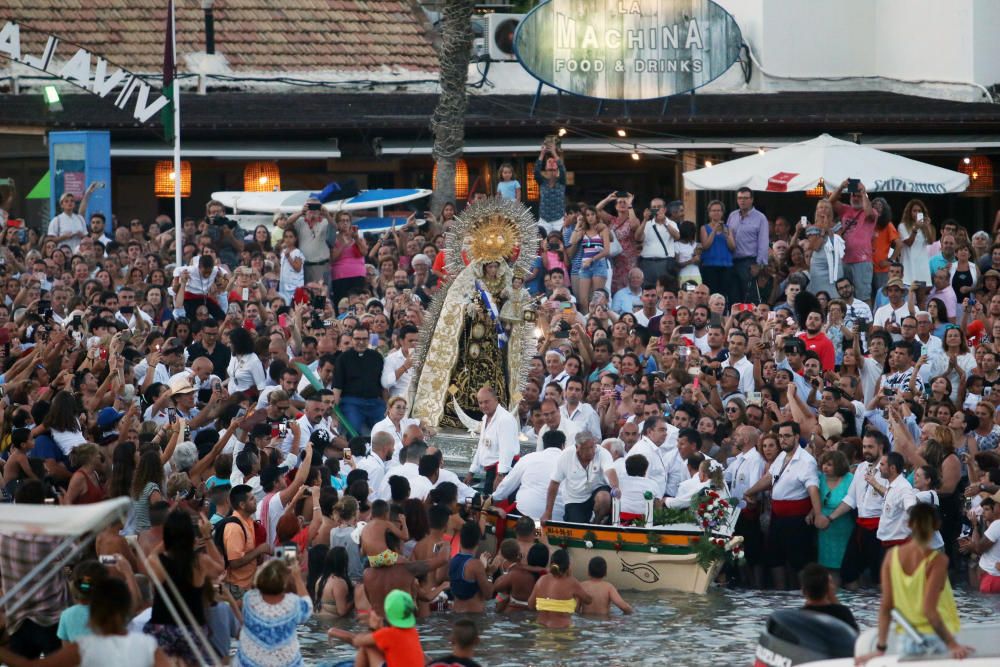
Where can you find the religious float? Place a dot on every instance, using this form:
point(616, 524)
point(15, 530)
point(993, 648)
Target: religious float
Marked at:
point(480, 330)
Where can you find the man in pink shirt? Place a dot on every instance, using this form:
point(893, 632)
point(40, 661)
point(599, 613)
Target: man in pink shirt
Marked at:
point(857, 226)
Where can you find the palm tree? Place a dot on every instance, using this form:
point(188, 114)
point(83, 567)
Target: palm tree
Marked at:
point(448, 121)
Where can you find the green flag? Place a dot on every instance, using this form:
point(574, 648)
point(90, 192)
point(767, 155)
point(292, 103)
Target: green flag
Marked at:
point(169, 69)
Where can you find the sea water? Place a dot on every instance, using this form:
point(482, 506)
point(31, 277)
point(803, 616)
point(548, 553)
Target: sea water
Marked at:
point(719, 629)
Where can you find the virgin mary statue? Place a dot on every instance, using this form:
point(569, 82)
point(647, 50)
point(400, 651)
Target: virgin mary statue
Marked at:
point(464, 343)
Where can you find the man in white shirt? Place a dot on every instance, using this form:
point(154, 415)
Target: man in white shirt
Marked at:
point(530, 478)
point(288, 383)
point(744, 470)
point(498, 441)
point(69, 227)
point(586, 476)
point(649, 309)
point(657, 235)
point(555, 421)
point(738, 360)
point(313, 419)
point(654, 434)
point(443, 475)
point(891, 314)
point(420, 486)
point(675, 460)
point(580, 413)
point(555, 364)
point(325, 367)
point(398, 368)
point(893, 527)
point(794, 482)
point(985, 541)
point(376, 463)
point(277, 494)
point(864, 551)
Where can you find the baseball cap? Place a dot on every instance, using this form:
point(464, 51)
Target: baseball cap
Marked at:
point(895, 282)
point(400, 610)
point(108, 417)
point(270, 475)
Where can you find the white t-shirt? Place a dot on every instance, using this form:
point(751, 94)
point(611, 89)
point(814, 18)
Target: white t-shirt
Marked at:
point(290, 278)
point(634, 491)
point(990, 559)
point(577, 483)
point(530, 479)
point(886, 312)
point(274, 511)
point(68, 224)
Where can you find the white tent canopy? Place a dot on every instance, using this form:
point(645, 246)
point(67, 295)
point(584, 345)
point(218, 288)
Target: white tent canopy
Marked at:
point(69, 521)
point(800, 166)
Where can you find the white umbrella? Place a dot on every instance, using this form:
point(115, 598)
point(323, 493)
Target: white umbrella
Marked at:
point(800, 167)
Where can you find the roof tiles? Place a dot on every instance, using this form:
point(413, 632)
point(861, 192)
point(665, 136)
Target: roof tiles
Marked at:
point(253, 35)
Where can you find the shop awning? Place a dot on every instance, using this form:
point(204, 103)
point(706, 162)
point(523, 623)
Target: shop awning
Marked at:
point(235, 150)
point(42, 188)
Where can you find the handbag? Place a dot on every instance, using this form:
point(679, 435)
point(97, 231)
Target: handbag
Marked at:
point(616, 246)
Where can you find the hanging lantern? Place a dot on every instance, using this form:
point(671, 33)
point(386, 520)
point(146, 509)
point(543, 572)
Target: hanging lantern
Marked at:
point(979, 169)
point(532, 183)
point(261, 177)
point(461, 179)
point(163, 179)
point(818, 191)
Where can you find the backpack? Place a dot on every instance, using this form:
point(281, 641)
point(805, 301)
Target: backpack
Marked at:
point(218, 535)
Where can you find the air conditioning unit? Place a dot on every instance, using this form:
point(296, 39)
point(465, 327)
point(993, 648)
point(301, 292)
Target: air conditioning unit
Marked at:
point(500, 35)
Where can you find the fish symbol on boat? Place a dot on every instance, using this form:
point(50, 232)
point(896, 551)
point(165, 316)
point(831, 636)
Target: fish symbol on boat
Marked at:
point(641, 571)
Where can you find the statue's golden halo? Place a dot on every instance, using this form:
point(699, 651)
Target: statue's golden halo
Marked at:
point(493, 239)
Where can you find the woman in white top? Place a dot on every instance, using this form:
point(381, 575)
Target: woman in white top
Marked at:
point(709, 475)
point(925, 480)
point(246, 373)
point(111, 644)
point(61, 421)
point(915, 233)
point(955, 364)
point(292, 266)
point(395, 424)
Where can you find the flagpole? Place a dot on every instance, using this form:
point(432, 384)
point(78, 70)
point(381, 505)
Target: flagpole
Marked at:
point(178, 236)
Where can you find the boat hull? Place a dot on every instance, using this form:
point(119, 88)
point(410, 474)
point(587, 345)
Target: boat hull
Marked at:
point(661, 558)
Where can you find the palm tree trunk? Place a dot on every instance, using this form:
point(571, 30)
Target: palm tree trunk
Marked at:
point(448, 121)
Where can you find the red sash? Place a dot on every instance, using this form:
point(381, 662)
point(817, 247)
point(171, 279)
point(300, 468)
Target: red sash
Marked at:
point(894, 543)
point(508, 506)
point(631, 516)
point(869, 524)
point(791, 508)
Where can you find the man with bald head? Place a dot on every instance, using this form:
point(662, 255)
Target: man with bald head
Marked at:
point(629, 434)
point(498, 441)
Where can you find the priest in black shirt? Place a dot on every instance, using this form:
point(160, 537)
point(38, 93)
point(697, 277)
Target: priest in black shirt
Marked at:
point(357, 384)
point(209, 345)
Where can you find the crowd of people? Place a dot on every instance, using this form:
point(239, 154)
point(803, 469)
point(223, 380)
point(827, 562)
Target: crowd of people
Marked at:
point(829, 374)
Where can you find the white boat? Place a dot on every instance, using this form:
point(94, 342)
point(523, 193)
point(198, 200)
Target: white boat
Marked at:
point(289, 201)
point(812, 639)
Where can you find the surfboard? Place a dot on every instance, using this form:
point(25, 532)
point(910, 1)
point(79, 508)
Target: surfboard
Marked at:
point(290, 201)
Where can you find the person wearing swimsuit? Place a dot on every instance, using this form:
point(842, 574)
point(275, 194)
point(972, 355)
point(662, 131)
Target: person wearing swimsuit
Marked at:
point(467, 573)
point(556, 594)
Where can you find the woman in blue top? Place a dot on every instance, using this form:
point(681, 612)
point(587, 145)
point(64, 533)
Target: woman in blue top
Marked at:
point(718, 243)
point(834, 483)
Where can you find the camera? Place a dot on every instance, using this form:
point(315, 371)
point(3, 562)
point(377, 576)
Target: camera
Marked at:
point(313, 206)
point(286, 553)
point(553, 246)
point(318, 302)
point(223, 221)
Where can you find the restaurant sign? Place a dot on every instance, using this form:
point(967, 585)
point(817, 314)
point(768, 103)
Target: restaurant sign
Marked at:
point(627, 49)
point(86, 70)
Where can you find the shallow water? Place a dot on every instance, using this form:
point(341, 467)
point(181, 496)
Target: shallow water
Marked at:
point(718, 629)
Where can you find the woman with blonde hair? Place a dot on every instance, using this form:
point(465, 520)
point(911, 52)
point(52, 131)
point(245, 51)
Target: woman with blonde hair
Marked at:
point(915, 584)
point(272, 610)
point(85, 486)
point(395, 423)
